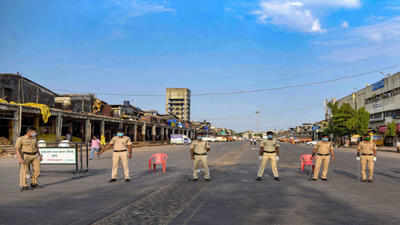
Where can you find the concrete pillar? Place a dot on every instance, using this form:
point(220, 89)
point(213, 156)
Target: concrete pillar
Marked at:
point(59, 126)
point(135, 132)
point(88, 130)
point(102, 128)
point(126, 129)
point(167, 134)
point(153, 133)
point(173, 130)
point(144, 132)
point(17, 124)
point(162, 133)
point(36, 123)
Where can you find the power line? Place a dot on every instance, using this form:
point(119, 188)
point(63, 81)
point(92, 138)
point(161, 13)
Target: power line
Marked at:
point(308, 84)
point(297, 85)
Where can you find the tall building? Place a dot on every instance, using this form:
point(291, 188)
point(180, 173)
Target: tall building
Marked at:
point(381, 100)
point(178, 103)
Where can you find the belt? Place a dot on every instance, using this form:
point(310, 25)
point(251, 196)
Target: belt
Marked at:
point(367, 154)
point(120, 151)
point(29, 153)
point(269, 152)
point(200, 153)
point(323, 154)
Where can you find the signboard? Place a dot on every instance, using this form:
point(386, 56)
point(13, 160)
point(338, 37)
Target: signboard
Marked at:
point(172, 123)
point(314, 128)
point(378, 85)
point(377, 105)
point(58, 156)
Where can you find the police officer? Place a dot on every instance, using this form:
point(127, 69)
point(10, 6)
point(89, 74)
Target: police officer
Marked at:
point(323, 153)
point(199, 150)
point(366, 151)
point(122, 147)
point(28, 155)
point(269, 150)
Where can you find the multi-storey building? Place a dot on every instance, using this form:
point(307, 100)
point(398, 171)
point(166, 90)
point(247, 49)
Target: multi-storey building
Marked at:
point(178, 103)
point(381, 100)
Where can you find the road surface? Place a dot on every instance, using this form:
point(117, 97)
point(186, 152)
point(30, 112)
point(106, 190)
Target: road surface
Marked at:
point(232, 197)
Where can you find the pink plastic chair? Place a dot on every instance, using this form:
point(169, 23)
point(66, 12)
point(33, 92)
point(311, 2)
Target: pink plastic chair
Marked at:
point(306, 160)
point(158, 159)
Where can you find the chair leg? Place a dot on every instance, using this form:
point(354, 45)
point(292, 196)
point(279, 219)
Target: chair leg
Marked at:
point(164, 167)
point(154, 167)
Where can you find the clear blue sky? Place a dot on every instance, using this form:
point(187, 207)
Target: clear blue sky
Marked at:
point(145, 46)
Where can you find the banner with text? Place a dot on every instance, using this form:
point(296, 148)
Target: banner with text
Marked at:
point(58, 155)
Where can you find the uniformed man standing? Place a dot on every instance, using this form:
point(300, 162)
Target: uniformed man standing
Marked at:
point(323, 153)
point(28, 155)
point(366, 151)
point(199, 150)
point(122, 147)
point(269, 150)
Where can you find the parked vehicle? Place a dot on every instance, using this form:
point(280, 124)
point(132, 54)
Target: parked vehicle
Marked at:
point(64, 144)
point(312, 143)
point(209, 139)
point(221, 139)
point(42, 144)
point(179, 139)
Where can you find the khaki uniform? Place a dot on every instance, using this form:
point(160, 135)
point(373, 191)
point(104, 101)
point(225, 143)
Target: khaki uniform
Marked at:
point(30, 155)
point(367, 158)
point(323, 158)
point(200, 156)
point(120, 147)
point(269, 154)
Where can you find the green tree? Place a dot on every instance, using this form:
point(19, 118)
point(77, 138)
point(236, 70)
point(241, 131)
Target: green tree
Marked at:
point(339, 125)
point(391, 130)
point(347, 121)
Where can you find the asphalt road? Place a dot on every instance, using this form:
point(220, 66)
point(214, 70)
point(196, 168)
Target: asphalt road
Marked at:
point(232, 197)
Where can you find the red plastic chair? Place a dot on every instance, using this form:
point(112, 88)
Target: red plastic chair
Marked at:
point(158, 159)
point(306, 160)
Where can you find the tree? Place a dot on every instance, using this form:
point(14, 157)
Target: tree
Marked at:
point(347, 121)
point(391, 131)
point(363, 121)
point(358, 123)
point(339, 125)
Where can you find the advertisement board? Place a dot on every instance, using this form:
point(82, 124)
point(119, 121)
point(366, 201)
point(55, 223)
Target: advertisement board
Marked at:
point(378, 85)
point(65, 156)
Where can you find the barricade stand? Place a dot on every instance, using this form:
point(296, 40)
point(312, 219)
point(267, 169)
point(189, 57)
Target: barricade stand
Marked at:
point(68, 155)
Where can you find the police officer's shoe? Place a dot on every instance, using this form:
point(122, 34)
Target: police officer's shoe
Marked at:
point(112, 180)
point(324, 179)
point(207, 179)
point(370, 181)
point(33, 186)
point(364, 181)
point(195, 179)
point(26, 188)
point(314, 179)
point(127, 180)
point(259, 179)
point(277, 179)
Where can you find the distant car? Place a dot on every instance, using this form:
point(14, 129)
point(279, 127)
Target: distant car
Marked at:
point(209, 139)
point(221, 139)
point(180, 139)
point(64, 144)
point(312, 143)
point(42, 144)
